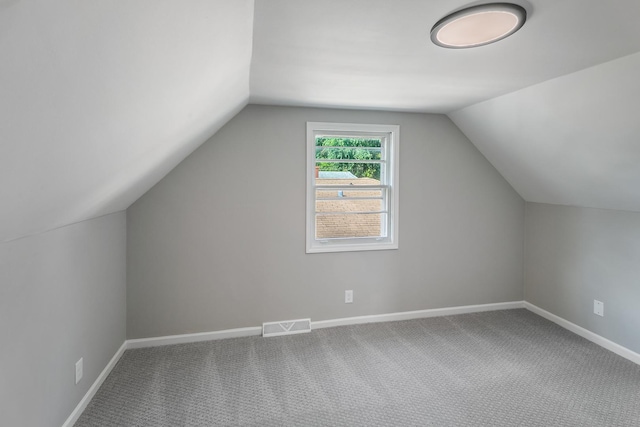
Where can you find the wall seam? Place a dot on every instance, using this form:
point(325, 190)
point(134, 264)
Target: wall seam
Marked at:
point(524, 251)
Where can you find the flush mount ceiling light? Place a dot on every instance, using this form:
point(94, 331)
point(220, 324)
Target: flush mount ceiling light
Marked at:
point(478, 25)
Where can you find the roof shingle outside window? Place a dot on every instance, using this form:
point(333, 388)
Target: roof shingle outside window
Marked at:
point(357, 225)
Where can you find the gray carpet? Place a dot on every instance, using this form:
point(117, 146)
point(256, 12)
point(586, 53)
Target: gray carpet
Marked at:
point(502, 368)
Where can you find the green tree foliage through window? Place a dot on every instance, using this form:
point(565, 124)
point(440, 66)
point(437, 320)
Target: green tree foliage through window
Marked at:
point(338, 148)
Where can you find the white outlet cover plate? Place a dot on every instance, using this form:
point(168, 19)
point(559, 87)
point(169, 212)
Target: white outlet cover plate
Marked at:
point(348, 297)
point(598, 307)
point(79, 369)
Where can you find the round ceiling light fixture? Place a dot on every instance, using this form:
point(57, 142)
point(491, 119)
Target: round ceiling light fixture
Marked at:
point(478, 25)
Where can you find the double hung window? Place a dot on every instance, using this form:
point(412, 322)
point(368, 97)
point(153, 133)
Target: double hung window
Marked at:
point(352, 187)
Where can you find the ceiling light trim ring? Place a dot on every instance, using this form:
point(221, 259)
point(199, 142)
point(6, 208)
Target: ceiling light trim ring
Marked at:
point(518, 12)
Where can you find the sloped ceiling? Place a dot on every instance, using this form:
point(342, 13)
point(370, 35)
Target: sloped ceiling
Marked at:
point(100, 99)
point(378, 54)
point(570, 137)
point(573, 140)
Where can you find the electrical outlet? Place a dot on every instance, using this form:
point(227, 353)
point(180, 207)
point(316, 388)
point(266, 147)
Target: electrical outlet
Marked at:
point(79, 370)
point(598, 307)
point(348, 297)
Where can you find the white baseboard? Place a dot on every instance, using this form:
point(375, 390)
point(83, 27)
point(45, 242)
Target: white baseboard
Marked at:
point(585, 333)
point(418, 314)
point(94, 387)
point(389, 317)
point(197, 337)
point(257, 330)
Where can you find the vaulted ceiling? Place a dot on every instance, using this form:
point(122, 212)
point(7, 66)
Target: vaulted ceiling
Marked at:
point(99, 100)
point(573, 140)
point(378, 54)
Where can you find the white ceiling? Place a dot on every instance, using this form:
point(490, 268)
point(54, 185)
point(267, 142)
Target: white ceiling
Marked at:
point(99, 100)
point(569, 137)
point(573, 140)
point(377, 53)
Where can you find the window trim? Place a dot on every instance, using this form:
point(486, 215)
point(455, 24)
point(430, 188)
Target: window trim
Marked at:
point(355, 243)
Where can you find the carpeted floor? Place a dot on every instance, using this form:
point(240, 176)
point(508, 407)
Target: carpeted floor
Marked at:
point(502, 368)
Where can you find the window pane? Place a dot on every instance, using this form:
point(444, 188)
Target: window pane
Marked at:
point(351, 195)
point(345, 226)
point(348, 141)
point(347, 173)
point(356, 153)
point(353, 205)
point(343, 148)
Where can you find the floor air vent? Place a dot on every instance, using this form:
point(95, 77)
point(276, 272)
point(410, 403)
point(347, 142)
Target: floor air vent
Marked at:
point(289, 327)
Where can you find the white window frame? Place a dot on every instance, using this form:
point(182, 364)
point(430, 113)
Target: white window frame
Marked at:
point(391, 173)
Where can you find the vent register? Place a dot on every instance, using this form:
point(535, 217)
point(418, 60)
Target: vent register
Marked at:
point(289, 327)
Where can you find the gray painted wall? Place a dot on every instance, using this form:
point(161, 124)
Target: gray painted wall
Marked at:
point(575, 255)
point(62, 297)
point(220, 242)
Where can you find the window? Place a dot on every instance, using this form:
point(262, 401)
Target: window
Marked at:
point(352, 187)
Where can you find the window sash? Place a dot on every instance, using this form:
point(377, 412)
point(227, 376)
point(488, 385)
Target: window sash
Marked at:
point(349, 161)
point(382, 209)
point(383, 189)
point(363, 147)
point(365, 228)
point(350, 187)
point(322, 213)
